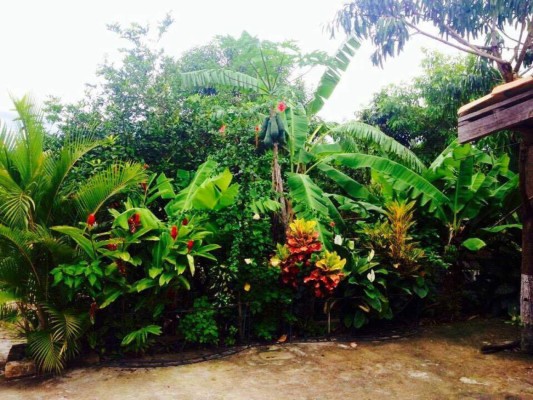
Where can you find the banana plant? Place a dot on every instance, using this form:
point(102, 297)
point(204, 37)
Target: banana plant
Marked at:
point(327, 150)
point(481, 188)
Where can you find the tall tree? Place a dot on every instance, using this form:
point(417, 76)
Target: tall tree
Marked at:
point(422, 114)
point(497, 30)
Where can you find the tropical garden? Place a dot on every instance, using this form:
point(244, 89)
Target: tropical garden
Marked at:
point(200, 200)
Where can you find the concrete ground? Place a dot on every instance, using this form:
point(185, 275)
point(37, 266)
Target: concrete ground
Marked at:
point(442, 362)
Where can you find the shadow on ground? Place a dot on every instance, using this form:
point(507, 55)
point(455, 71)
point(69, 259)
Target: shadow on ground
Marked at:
point(442, 362)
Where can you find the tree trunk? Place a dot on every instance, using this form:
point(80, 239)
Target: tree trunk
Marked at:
point(281, 220)
point(526, 191)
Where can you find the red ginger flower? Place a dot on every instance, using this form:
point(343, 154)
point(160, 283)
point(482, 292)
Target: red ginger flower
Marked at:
point(91, 220)
point(174, 232)
point(134, 222)
point(282, 106)
point(190, 245)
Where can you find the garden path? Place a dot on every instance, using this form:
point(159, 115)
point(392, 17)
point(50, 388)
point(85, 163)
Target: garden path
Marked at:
point(443, 362)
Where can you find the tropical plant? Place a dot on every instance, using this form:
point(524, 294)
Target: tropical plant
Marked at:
point(199, 326)
point(34, 196)
point(303, 263)
point(141, 253)
point(482, 193)
point(309, 150)
point(483, 28)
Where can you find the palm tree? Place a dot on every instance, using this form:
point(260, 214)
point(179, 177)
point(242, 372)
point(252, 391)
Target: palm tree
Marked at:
point(36, 194)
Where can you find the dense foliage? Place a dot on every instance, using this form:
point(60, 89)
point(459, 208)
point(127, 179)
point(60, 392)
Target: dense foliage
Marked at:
point(223, 209)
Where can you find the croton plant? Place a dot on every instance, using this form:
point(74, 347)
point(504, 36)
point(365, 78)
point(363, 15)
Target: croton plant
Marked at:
point(302, 261)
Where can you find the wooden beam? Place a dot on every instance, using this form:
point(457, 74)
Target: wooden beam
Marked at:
point(526, 191)
point(496, 119)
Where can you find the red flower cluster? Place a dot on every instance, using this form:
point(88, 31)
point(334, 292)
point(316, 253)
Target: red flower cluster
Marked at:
point(91, 220)
point(282, 106)
point(134, 222)
point(185, 222)
point(190, 245)
point(174, 232)
point(121, 265)
point(112, 246)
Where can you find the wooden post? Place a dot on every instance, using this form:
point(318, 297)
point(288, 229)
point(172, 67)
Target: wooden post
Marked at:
point(526, 191)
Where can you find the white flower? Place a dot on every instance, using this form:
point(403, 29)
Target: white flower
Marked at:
point(248, 261)
point(256, 216)
point(371, 275)
point(338, 240)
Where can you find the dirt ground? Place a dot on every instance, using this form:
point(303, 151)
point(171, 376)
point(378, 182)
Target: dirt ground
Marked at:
point(442, 362)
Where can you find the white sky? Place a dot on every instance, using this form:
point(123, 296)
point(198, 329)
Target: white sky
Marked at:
point(53, 47)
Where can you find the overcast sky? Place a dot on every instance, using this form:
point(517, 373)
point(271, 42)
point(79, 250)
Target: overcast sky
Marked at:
point(53, 47)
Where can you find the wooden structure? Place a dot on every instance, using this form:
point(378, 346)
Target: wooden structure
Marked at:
point(510, 107)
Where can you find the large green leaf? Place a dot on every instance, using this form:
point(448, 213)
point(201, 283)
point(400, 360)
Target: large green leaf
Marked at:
point(417, 183)
point(474, 244)
point(332, 75)
point(297, 131)
point(220, 77)
point(349, 185)
point(311, 203)
point(79, 237)
point(184, 199)
point(359, 131)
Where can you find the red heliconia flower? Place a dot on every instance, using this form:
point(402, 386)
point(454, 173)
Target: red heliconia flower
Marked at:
point(222, 129)
point(185, 222)
point(190, 245)
point(282, 106)
point(144, 186)
point(91, 220)
point(174, 232)
point(112, 246)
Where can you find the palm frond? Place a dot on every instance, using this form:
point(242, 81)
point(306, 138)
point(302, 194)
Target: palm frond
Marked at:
point(53, 347)
point(16, 206)
point(58, 169)
point(108, 183)
point(27, 155)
